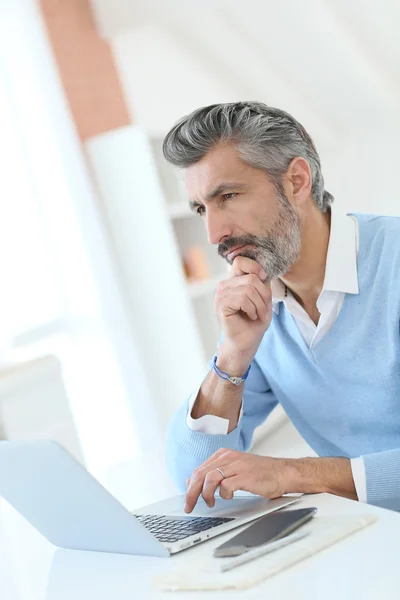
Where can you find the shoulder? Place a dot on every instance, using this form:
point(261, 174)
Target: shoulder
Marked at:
point(379, 245)
point(378, 232)
point(380, 225)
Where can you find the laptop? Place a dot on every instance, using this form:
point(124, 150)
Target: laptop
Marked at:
point(56, 494)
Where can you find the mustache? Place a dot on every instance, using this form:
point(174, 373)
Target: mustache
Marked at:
point(234, 242)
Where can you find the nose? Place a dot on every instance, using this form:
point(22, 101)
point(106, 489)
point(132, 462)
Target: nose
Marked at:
point(217, 225)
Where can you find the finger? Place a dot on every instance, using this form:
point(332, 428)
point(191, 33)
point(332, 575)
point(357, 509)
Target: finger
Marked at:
point(225, 489)
point(229, 486)
point(234, 473)
point(194, 490)
point(236, 301)
point(214, 478)
point(226, 299)
point(196, 482)
point(219, 457)
point(242, 265)
point(195, 486)
point(264, 289)
point(211, 482)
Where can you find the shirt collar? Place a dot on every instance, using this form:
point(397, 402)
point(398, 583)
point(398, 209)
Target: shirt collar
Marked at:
point(341, 260)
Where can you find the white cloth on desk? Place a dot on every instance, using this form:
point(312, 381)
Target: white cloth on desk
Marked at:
point(195, 574)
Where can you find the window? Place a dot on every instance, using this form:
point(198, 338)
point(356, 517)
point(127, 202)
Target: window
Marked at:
point(58, 292)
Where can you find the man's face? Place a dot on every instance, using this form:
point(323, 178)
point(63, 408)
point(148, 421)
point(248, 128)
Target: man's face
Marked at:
point(244, 212)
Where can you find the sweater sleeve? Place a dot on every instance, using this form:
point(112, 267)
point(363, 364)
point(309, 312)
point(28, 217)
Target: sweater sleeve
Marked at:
point(383, 478)
point(186, 449)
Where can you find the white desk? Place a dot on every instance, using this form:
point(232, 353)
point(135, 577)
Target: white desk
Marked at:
point(364, 566)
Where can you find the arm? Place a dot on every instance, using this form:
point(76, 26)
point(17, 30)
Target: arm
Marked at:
point(273, 477)
point(243, 304)
point(219, 397)
point(268, 477)
point(244, 307)
point(382, 471)
point(186, 449)
point(335, 475)
point(317, 475)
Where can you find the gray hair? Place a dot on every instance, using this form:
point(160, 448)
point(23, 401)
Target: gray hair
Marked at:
point(267, 138)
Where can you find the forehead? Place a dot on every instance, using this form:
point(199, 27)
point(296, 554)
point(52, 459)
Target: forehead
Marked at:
point(223, 163)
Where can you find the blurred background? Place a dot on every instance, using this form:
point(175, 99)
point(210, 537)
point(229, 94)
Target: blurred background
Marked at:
point(107, 281)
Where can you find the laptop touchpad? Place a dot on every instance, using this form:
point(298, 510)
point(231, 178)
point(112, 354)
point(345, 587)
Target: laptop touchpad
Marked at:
point(230, 508)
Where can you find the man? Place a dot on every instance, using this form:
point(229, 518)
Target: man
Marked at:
point(310, 317)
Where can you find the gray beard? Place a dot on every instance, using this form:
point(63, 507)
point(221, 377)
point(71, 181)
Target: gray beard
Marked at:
point(277, 251)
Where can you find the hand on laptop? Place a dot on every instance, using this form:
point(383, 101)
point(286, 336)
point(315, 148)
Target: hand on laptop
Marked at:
point(260, 475)
point(269, 477)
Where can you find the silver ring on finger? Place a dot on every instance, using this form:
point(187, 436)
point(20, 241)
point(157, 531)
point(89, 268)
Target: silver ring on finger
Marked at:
point(221, 472)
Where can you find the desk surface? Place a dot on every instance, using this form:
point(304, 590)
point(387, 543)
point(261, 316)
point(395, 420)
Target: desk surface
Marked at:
point(365, 565)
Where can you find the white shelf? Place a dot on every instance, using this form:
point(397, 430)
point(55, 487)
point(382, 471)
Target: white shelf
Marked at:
point(189, 232)
point(204, 287)
point(180, 210)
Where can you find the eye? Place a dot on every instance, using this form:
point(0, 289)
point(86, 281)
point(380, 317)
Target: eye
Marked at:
point(200, 210)
point(229, 196)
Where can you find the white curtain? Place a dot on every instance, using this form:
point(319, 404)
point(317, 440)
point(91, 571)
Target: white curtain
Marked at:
point(59, 291)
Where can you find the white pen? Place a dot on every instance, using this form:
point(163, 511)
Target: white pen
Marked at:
point(229, 564)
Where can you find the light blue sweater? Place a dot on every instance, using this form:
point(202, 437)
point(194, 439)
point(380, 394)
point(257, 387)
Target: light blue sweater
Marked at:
point(343, 396)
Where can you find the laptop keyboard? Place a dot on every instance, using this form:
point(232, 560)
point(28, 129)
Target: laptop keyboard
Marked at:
point(167, 529)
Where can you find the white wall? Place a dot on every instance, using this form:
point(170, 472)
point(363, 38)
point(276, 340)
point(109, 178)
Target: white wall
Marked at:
point(363, 176)
point(164, 80)
point(165, 75)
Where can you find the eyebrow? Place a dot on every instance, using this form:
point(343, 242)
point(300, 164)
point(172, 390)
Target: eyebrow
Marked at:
point(222, 187)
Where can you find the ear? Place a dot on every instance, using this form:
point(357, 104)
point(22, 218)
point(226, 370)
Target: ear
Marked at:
point(299, 180)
